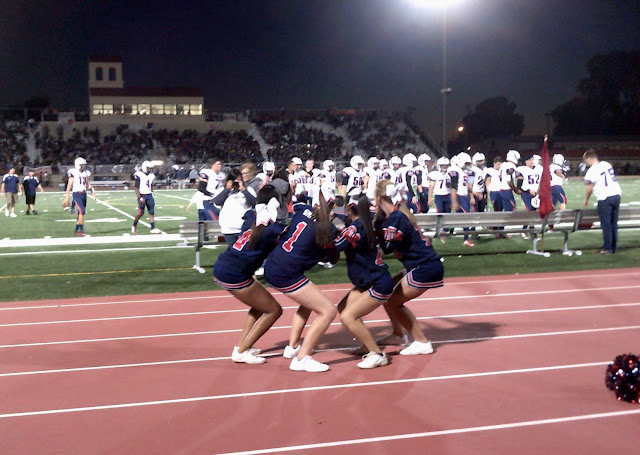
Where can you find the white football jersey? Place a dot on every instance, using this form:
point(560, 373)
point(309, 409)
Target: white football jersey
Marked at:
point(352, 178)
point(494, 175)
point(604, 179)
point(80, 179)
point(556, 180)
point(144, 182)
point(506, 175)
point(215, 181)
point(442, 183)
point(476, 177)
point(462, 188)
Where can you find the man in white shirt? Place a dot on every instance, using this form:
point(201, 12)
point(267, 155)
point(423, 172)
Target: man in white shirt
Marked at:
point(601, 180)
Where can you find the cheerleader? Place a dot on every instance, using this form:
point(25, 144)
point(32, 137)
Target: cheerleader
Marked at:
point(308, 239)
point(235, 267)
point(398, 233)
point(370, 276)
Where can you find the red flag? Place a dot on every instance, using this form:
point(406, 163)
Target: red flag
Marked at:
point(544, 190)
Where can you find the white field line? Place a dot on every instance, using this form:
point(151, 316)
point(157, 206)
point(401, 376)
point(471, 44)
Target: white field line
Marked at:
point(101, 250)
point(174, 197)
point(228, 296)
point(109, 206)
point(426, 434)
point(246, 395)
point(278, 353)
point(295, 307)
point(217, 332)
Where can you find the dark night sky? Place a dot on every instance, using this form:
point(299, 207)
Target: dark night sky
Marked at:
point(317, 53)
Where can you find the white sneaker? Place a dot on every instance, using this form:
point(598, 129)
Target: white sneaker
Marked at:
point(373, 359)
point(290, 353)
point(6, 212)
point(246, 357)
point(134, 229)
point(13, 215)
point(417, 348)
point(394, 340)
point(307, 364)
point(155, 231)
point(259, 272)
point(255, 351)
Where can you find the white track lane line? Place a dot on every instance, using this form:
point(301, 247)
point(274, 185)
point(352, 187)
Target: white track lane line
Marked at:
point(217, 332)
point(295, 307)
point(426, 434)
point(246, 395)
point(228, 296)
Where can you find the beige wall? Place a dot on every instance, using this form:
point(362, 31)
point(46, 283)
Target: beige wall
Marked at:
point(105, 82)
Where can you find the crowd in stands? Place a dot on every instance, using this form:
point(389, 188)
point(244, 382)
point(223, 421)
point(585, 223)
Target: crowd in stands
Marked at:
point(289, 138)
point(190, 145)
point(13, 150)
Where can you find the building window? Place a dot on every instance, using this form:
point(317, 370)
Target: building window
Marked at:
point(183, 109)
point(157, 109)
point(107, 109)
point(97, 109)
point(196, 109)
point(112, 74)
point(129, 108)
point(143, 109)
point(99, 74)
point(170, 109)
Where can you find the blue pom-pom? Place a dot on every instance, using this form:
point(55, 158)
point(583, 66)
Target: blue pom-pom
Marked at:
point(623, 377)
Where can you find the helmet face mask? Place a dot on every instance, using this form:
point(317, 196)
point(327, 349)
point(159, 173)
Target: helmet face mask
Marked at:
point(328, 165)
point(373, 162)
point(442, 164)
point(357, 162)
point(395, 162)
point(80, 164)
point(268, 167)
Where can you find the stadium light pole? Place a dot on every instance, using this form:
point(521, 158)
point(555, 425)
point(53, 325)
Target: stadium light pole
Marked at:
point(445, 90)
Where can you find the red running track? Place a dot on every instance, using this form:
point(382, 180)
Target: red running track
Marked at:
point(518, 368)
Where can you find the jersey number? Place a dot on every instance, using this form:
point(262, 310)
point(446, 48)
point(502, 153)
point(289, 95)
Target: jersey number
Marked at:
point(613, 176)
point(242, 240)
point(288, 245)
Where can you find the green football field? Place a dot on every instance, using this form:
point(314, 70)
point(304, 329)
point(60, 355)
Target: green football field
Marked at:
point(40, 258)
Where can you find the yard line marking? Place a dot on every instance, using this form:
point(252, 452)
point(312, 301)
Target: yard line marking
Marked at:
point(295, 307)
point(109, 206)
point(217, 332)
point(101, 250)
point(303, 389)
point(175, 197)
point(426, 434)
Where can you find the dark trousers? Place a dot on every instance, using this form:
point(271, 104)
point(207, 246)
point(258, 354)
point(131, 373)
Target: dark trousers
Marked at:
point(608, 214)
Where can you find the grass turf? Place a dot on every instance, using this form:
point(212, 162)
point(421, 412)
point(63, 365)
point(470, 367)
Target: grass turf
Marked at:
point(137, 268)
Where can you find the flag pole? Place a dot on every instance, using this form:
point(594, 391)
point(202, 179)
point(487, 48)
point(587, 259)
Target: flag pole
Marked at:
point(544, 191)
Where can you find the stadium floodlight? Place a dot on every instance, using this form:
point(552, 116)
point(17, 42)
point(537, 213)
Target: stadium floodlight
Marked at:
point(435, 4)
point(445, 90)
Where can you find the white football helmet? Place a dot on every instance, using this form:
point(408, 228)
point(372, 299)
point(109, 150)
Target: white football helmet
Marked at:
point(328, 165)
point(423, 159)
point(80, 163)
point(454, 161)
point(442, 164)
point(146, 166)
point(297, 161)
point(357, 162)
point(373, 162)
point(558, 159)
point(409, 160)
point(463, 158)
point(537, 160)
point(384, 164)
point(513, 156)
point(268, 167)
point(477, 157)
point(395, 160)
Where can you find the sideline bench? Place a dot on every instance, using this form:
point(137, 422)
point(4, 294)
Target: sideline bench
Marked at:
point(561, 221)
point(199, 234)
